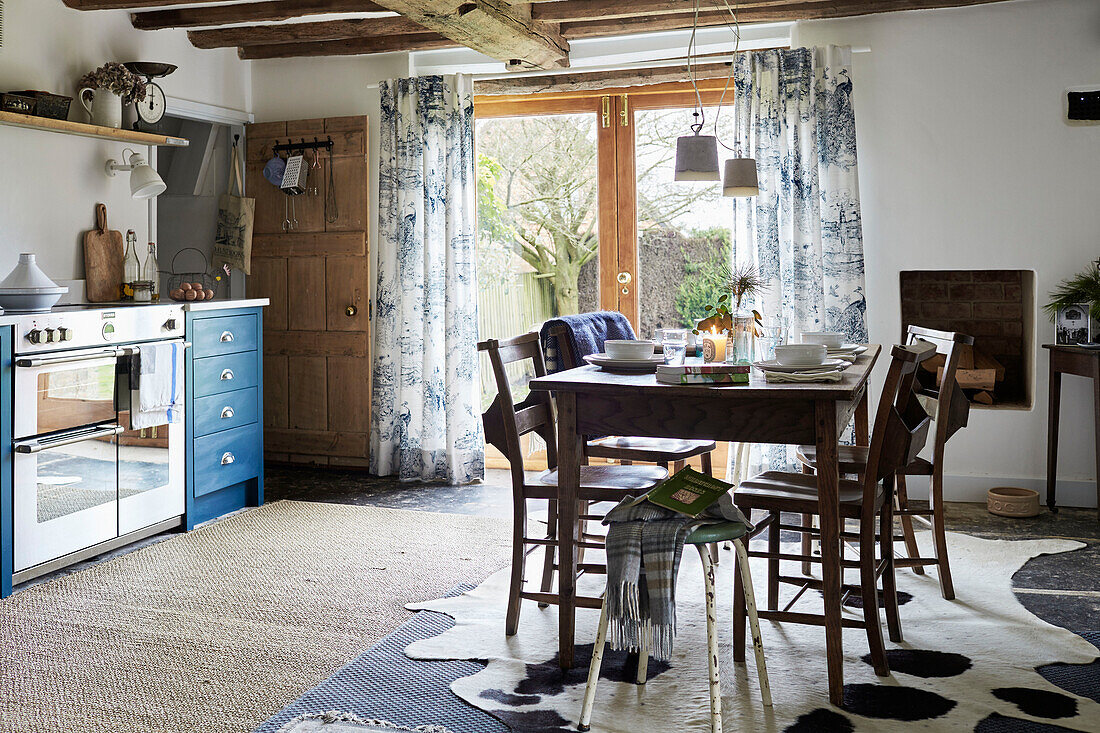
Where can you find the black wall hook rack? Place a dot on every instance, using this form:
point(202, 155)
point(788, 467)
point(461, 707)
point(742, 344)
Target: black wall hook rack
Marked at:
point(302, 145)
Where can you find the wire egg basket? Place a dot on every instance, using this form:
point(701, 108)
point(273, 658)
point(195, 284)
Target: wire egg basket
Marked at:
point(204, 281)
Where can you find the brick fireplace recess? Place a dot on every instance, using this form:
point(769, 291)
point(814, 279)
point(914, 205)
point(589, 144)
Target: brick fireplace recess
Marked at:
point(997, 308)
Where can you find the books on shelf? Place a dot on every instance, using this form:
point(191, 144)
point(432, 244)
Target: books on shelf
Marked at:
point(704, 374)
point(687, 491)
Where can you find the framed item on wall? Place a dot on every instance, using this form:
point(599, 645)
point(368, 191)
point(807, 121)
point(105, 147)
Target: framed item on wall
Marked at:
point(1072, 325)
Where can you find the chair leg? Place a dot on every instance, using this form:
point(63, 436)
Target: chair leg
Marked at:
point(712, 641)
point(869, 588)
point(939, 532)
point(594, 671)
point(714, 553)
point(907, 523)
point(519, 561)
point(773, 564)
point(708, 464)
point(678, 466)
point(807, 538)
point(739, 610)
point(749, 599)
point(642, 670)
point(550, 550)
point(582, 508)
point(889, 580)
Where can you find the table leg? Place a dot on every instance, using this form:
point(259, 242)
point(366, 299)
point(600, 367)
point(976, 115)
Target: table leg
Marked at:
point(828, 479)
point(1096, 414)
point(569, 461)
point(863, 428)
point(1053, 408)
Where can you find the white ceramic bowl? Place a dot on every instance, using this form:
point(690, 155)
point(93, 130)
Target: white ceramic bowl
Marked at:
point(800, 354)
point(30, 301)
point(628, 349)
point(832, 339)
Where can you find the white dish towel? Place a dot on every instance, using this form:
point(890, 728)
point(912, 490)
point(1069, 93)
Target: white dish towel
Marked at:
point(160, 386)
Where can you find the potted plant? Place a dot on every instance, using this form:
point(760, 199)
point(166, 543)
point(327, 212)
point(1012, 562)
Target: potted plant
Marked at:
point(110, 86)
point(1083, 289)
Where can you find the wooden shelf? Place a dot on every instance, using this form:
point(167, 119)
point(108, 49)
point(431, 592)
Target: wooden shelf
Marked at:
point(84, 130)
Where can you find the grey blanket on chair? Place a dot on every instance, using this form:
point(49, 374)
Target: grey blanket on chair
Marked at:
point(644, 545)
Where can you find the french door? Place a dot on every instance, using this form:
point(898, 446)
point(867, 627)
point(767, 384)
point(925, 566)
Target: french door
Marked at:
point(578, 209)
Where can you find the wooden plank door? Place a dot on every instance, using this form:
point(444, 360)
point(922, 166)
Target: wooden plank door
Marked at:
point(317, 329)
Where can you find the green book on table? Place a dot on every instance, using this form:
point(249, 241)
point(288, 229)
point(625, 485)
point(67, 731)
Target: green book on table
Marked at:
point(687, 491)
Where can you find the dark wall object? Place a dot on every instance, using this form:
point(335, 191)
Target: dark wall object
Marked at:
point(1084, 105)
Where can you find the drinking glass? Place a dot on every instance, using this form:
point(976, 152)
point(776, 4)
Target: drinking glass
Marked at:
point(674, 343)
point(770, 337)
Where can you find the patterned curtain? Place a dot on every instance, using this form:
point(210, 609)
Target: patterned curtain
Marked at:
point(425, 405)
point(794, 115)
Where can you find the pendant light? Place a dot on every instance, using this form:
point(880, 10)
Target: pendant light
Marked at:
point(696, 155)
point(740, 178)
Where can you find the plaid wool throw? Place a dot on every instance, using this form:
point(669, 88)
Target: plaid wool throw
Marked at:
point(644, 545)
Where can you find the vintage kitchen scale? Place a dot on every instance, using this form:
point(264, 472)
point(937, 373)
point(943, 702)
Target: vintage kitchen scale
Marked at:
point(151, 109)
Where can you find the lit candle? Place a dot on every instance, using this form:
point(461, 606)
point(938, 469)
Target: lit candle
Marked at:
point(714, 345)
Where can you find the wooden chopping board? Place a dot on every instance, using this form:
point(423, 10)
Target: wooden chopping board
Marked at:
point(103, 253)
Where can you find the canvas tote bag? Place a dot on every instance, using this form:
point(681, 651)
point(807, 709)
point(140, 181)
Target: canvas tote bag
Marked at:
point(236, 214)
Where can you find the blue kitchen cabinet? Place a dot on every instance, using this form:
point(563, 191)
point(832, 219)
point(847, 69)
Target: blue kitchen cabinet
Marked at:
point(224, 412)
point(7, 519)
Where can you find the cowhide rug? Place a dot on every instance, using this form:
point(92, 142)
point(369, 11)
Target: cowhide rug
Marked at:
point(967, 664)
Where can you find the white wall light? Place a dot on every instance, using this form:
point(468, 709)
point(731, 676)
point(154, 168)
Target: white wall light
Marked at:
point(145, 183)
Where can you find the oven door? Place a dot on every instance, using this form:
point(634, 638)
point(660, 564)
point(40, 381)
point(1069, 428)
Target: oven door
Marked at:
point(66, 493)
point(64, 391)
point(150, 474)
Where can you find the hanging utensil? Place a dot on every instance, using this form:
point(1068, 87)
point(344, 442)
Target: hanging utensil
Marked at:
point(332, 209)
point(286, 214)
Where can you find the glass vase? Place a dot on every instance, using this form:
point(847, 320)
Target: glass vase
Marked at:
point(739, 347)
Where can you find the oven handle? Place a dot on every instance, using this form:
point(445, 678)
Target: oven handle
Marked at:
point(37, 361)
point(36, 445)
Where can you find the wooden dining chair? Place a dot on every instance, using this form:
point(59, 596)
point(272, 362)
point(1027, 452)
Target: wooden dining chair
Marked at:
point(672, 453)
point(951, 411)
point(506, 421)
point(900, 430)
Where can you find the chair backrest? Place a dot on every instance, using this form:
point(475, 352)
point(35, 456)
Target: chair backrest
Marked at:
point(952, 405)
point(901, 424)
point(506, 421)
point(566, 356)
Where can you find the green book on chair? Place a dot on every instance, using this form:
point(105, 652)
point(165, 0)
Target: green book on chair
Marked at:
point(687, 492)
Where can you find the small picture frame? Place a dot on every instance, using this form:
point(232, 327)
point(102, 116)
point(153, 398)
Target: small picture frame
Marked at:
point(1072, 325)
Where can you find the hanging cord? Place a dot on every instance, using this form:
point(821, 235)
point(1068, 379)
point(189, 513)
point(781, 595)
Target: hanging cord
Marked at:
point(736, 28)
point(332, 215)
point(699, 114)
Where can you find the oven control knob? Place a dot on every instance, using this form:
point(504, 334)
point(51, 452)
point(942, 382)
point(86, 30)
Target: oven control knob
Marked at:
point(108, 331)
point(34, 336)
point(64, 334)
point(51, 335)
point(170, 324)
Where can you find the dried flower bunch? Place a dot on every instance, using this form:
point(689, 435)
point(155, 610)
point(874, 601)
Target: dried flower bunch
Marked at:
point(116, 78)
point(742, 281)
point(1081, 289)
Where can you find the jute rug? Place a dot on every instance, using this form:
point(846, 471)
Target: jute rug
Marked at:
point(965, 665)
point(218, 629)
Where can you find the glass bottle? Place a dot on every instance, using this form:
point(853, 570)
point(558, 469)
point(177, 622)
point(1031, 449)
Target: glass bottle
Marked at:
point(152, 271)
point(131, 267)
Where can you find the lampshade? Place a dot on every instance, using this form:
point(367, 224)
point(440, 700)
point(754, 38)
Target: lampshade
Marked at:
point(145, 183)
point(697, 158)
point(740, 178)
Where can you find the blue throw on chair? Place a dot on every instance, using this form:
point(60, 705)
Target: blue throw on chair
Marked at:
point(587, 332)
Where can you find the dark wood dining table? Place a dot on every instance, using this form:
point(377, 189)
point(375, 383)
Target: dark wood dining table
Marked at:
point(591, 401)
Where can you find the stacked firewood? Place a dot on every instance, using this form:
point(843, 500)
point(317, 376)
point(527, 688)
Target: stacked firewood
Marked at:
point(978, 373)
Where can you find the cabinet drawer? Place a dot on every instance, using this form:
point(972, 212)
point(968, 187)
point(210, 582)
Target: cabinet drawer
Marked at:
point(224, 411)
point(226, 458)
point(217, 374)
point(224, 335)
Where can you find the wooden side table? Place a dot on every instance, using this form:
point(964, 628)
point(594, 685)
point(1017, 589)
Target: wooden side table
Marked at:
point(1083, 363)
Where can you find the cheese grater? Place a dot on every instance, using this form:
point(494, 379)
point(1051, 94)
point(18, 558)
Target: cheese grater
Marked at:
point(294, 176)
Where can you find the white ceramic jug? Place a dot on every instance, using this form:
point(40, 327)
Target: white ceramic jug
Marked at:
point(105, 107)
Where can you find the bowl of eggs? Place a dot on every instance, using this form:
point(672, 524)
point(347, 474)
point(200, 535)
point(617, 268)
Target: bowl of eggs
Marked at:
point(191, 291)
point(193, 283)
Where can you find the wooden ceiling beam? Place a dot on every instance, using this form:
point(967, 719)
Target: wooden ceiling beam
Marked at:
point(595, 80)
point(495, 28)
point(328, 30)
point(801, 10)
point(566, 11)
point(347, 46)
point(129, 4)
point(247, 13)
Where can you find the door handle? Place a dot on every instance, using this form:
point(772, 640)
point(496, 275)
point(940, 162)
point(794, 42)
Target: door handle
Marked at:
point(228, 458)
point(227, 336)
point(350, 311)
point(624, 279)
point(227, 374)
point(41, 444)
point(227, 412)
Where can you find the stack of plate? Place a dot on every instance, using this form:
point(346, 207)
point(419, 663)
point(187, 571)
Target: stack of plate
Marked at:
point(611, 364)
point(829, 365)
point(29, 290)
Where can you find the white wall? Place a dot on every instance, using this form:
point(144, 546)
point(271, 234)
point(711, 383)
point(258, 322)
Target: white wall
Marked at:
point(52, 182)
point(966, 161)
point(338, 86)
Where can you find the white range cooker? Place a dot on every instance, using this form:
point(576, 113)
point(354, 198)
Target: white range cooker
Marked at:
point(84, 480)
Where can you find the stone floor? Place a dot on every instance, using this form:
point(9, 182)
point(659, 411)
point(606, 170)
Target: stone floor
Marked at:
point(1062, 589)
